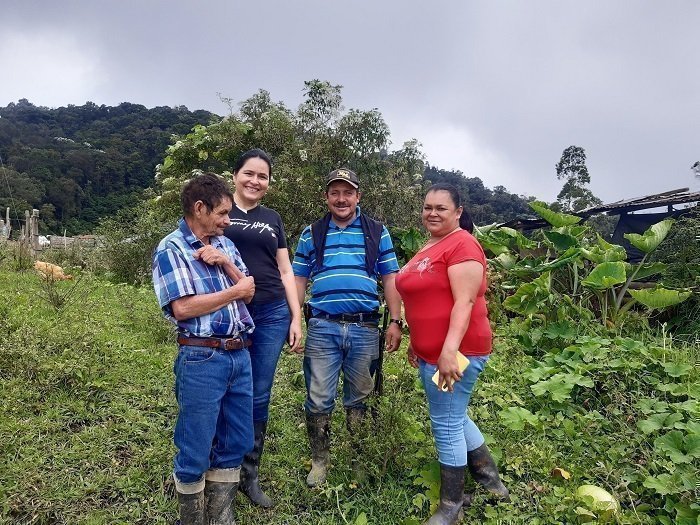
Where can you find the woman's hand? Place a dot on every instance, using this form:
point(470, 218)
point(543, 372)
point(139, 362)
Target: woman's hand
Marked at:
point(295, 337)
point(449, 370)
point(412, 359)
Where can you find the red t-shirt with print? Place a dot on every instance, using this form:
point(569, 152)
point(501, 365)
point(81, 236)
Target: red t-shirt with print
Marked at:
point(425, 289)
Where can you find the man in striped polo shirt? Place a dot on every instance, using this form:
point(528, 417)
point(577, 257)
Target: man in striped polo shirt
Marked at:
point(343, 254)
point(199, 279)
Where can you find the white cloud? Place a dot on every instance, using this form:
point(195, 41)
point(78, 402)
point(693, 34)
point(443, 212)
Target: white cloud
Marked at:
point(47, 68)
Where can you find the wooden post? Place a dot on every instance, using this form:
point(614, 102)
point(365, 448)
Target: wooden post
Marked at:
point(34, 233)
point(8, 225)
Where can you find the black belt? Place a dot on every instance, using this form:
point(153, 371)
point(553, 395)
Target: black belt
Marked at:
point(224, 343)
point(368, 317)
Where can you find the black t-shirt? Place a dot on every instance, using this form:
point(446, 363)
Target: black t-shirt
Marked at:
point(258, 234)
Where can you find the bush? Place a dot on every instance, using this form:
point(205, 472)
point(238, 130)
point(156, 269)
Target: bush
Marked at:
point(128, 241)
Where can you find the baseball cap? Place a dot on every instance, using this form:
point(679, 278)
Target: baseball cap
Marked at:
point(343, 174)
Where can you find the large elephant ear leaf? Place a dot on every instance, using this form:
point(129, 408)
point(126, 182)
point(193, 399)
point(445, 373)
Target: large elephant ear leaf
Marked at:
point(659, 298)
point(552, 217)
point(650, 239)
point(606, 275)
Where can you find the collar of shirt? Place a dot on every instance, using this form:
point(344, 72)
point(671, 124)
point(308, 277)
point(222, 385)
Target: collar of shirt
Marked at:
point(192, 240)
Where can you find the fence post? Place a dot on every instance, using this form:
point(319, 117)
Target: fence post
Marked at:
point(8, 225)
point(34, 232)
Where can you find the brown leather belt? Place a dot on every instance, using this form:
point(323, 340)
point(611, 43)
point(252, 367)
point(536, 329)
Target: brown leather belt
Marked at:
point(223, 343)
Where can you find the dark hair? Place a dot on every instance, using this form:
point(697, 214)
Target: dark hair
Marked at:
point(208, 188)
point(465, 220)
point(255, 153)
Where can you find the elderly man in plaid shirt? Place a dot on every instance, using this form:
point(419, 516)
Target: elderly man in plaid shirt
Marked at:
point(202, 286)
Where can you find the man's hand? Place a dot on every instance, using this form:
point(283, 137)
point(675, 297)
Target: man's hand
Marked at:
point(393, 337)
point(245, 288)
point(211, 256)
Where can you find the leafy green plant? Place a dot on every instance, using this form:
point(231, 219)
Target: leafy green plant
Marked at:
point(569, 269)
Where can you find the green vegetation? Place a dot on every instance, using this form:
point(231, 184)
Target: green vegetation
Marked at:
point(88, 411)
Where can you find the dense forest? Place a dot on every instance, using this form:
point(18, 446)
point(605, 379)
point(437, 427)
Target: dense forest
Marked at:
point(78, 164)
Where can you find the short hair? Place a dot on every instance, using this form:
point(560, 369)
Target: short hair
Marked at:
point(465, 220)
point(255, 153)
point(208, 188)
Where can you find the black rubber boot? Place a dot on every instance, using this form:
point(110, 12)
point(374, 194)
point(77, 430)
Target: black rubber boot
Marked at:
point(250, 483)
point(449, 510)
point(354, 417)
point(318, 427)
point(191, 508)
point(483, 469)
point(219, 498)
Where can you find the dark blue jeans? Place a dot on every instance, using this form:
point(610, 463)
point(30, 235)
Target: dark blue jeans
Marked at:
point(214, 396)
point(272, 322)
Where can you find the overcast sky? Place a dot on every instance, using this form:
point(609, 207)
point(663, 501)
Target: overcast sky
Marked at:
point(495, 89)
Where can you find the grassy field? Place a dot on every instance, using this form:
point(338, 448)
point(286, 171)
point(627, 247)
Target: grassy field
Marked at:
point(88, 410)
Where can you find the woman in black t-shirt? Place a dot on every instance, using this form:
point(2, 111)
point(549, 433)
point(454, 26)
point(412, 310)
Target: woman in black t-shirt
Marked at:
point(258, 233)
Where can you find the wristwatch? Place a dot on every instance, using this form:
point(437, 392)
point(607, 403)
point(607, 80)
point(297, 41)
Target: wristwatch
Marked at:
point(397, 321)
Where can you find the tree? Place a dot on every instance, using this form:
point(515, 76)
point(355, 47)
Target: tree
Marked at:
point(574, 195)
point(305, 145)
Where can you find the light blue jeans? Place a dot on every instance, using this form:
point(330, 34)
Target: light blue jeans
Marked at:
point(271, 330)
point(330, 348)
point(214, 427)
point(455, 433)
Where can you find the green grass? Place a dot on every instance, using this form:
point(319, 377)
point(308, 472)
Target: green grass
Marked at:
point(88, 411)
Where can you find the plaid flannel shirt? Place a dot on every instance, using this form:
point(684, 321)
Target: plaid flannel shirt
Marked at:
point(176, 274)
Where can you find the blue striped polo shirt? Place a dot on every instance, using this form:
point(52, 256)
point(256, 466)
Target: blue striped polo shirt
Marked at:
point(176, 274)
point(342, 284)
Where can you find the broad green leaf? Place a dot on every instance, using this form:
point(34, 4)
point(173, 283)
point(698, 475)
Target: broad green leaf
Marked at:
point(558, 386)
point(506, 260)
point(606, 275)
point(653, 423)
point(562, 329)
point(650, 239)
point(491, 246)
point(604, 252)
point(555, 219)
point(568, 257)
point(560, 241)
point(516, 418)
point(361, 519)
point(672, 445)
point(677, 369)
point(645, 270)
point(529, 298)
point(664, 484)
point(539, 373)
point(692, 445)
point(659, 298)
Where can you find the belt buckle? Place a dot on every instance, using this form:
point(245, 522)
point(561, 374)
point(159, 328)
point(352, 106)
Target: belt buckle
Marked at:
point(230, 344)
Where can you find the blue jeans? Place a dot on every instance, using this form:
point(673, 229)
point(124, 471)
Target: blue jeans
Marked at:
point(272, 322)
point(455, 433)
point(330, 348)
point(214, 426)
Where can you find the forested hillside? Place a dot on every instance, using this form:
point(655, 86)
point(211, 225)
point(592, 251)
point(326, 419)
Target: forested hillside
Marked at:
point(78, 164)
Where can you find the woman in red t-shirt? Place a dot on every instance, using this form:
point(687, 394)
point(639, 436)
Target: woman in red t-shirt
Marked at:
point(443, 288)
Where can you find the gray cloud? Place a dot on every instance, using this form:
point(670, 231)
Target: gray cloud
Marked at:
point(495, 89)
